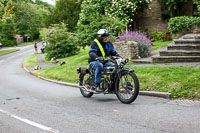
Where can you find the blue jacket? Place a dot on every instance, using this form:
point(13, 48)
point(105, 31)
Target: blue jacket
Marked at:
point(95, 52)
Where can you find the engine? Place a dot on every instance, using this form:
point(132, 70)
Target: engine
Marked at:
point(105, 83)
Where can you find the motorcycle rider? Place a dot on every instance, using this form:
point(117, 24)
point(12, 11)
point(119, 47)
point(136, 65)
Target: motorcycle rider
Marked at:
point(100, 48)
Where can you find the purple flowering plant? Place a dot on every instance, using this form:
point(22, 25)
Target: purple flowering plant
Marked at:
point(141, 38)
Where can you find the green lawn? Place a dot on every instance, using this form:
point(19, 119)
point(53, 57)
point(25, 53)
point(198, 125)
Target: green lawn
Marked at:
point(181, 82)
point(2, 52)
point(160, 43)
point(31, 60)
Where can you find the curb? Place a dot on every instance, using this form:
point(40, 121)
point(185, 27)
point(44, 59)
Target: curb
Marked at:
point(145, 93)
point(155, 94)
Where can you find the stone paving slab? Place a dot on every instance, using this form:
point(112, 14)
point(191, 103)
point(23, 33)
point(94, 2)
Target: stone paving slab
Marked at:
point(42, 63)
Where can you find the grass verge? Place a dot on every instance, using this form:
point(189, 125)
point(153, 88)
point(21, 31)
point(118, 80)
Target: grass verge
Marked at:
point(2, 52)
point(31, 60)
point(181, 82)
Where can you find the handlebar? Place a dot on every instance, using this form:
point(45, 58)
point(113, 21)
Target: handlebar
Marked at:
point(113, 59)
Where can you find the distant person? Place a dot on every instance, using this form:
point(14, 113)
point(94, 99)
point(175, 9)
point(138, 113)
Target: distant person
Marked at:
point(35, 46)
point(1, 45)
point(43, 47)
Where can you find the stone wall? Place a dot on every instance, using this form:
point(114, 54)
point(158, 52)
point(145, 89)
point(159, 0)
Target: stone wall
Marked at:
point(127, 49)
point(151, 19)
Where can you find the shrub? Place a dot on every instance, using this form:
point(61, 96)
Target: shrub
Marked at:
point(157, 35)
point(182, 24)
point(88, 32)
point(141, 38)
point(61, 42)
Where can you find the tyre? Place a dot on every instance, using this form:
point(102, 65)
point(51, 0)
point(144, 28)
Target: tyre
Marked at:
point(83, 81)
point(127, 87)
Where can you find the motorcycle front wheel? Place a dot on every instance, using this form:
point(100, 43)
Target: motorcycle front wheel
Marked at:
point(127, 87)
point(83, 81)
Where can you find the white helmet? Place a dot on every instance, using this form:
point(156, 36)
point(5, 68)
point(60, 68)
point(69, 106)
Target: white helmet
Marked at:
point(102, 32)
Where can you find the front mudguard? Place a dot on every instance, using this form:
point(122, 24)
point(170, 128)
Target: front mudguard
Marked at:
point(129, 70)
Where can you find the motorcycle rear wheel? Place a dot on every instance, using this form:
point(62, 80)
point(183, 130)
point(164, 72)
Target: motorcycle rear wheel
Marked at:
point(127, 87)
point(83, 78)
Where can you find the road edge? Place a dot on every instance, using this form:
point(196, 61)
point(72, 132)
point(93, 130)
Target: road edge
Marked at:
point(10, 52)
point(145, 93)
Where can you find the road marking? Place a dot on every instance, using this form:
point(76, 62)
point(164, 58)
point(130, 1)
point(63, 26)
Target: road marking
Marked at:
point(30, 122)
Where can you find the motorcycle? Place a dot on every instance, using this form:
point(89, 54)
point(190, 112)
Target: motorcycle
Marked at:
point(115, 80)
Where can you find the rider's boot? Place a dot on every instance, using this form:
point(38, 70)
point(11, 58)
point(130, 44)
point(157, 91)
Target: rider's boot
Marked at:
point(98, 88)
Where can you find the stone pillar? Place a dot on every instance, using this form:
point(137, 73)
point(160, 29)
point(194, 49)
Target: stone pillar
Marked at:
point(127, 49)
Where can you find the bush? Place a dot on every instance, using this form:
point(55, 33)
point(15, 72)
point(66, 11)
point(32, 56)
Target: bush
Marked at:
point(6, 42)
point(141, 38)
point(88, 32)
point(61, 42)
point(157, 35)
point(182, 24)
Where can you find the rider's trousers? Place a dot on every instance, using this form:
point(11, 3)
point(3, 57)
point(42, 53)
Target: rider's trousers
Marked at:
point(98, 67)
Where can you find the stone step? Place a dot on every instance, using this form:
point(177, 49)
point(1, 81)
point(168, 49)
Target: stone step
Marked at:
point(187, 41)
point(173, 59)
point(191, 36)
point(179, 53)
point(192, 47)
point(142, 60)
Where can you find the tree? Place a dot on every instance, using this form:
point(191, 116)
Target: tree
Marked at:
point(28, 19)
point(7, 32)
point(7, 25)
point(9, 10)
point(93, 17)
point(126, 10)
point(1, 8)
point(66, 11)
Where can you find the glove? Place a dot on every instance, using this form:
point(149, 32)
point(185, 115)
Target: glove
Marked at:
point(100, 59)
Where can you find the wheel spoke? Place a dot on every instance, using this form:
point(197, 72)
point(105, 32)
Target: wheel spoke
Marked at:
point(126, 86)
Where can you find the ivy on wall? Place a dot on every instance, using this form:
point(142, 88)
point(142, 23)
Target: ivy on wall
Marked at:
point(171, 8)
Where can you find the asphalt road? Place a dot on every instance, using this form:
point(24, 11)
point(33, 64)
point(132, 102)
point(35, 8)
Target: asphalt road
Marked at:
point(31, 105)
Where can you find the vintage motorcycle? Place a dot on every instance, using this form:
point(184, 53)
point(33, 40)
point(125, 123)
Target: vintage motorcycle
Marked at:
point(115, 80)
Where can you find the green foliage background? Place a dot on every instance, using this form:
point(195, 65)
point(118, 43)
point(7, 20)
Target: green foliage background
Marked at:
point(66, 11)
point(22, 17)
